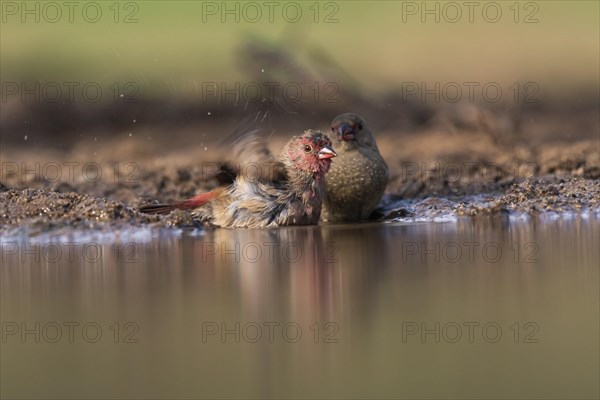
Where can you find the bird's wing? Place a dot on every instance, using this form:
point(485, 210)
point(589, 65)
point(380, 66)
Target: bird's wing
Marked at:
point(249, 155)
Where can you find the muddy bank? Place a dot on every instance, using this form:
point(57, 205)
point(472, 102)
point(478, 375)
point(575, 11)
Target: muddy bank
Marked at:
point(450, 162)
point(34, 211)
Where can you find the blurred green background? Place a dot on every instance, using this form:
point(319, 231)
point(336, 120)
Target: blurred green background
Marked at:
point(379, 44)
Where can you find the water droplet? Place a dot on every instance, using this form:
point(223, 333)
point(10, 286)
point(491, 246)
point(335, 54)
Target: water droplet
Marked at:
point(25, 137)
point(131, 134)
point(134, 121)
point(209, 113)
point(262, 70)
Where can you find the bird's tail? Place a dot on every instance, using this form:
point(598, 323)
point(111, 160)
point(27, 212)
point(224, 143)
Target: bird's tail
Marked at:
point(194, 202)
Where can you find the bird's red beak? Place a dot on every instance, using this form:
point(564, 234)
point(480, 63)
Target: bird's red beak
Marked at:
point(326, 152)
point(345, 132)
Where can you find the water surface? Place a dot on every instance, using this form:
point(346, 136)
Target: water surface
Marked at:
point(474, 308)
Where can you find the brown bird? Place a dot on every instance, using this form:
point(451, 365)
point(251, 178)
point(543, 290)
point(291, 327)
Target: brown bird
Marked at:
point(289, 191)
point(358, 177)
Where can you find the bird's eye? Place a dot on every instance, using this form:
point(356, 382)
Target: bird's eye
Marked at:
point(332, 129)
point(307, 148)
point(359, 126)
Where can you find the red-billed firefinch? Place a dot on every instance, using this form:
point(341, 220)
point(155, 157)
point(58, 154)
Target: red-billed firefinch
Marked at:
point(358, 177)
point(259, 201)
